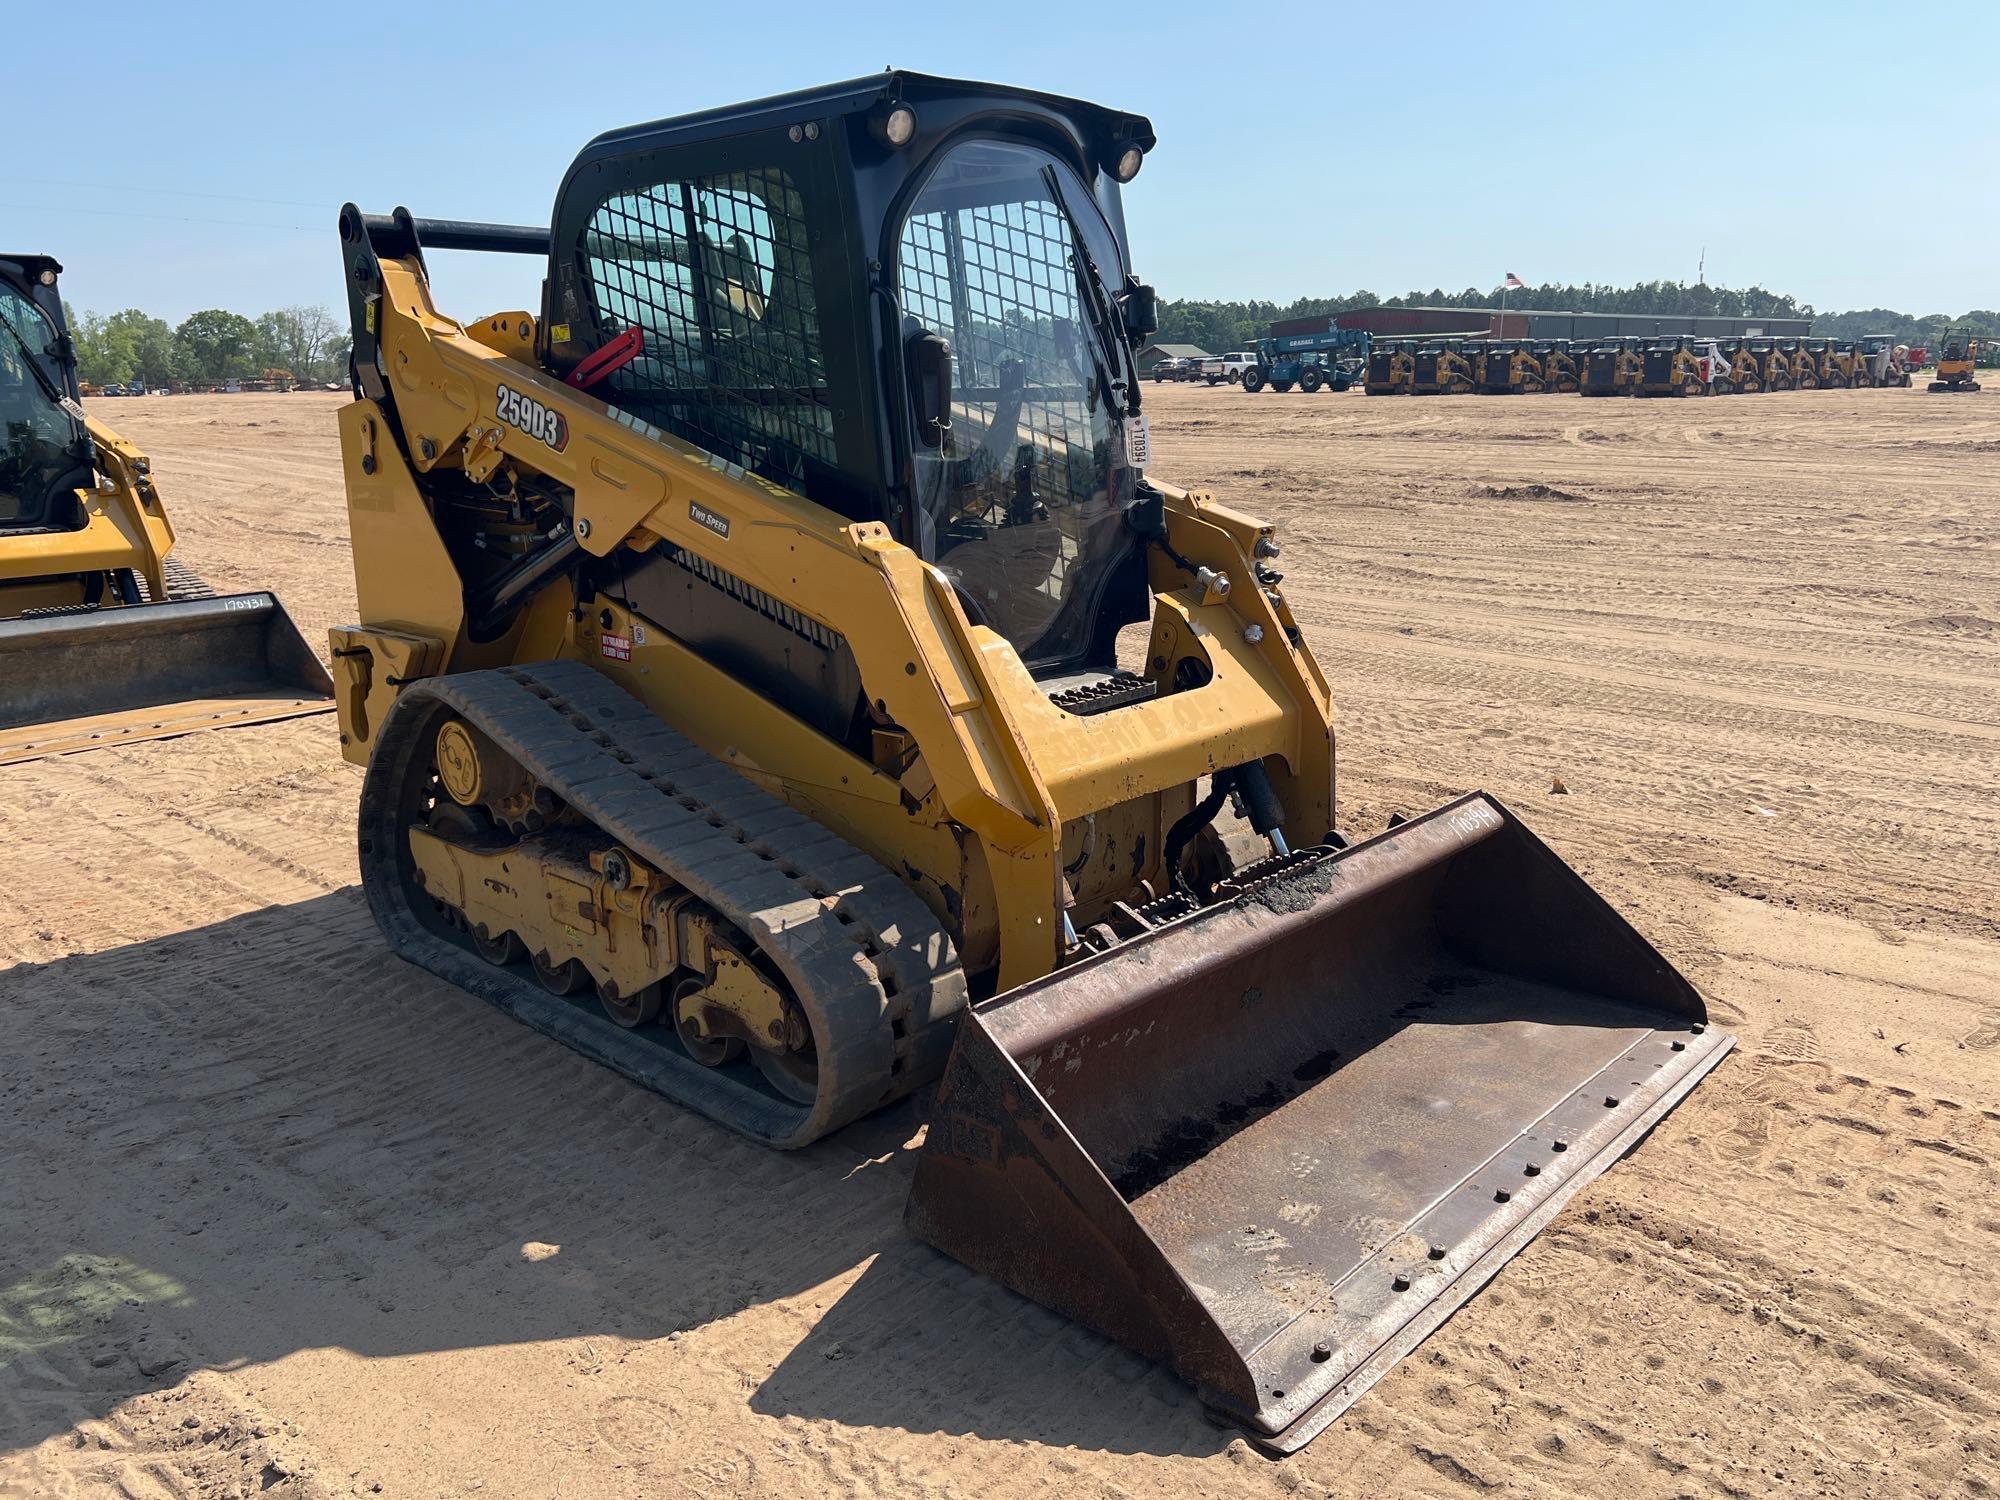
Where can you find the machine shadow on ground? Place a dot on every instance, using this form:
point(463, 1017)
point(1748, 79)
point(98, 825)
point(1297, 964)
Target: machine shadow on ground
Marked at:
point(325, 1147)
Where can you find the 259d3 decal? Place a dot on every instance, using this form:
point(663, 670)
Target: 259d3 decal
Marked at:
point(543, 423)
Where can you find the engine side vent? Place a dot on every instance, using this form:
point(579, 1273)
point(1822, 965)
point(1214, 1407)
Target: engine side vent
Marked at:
point(765, 604)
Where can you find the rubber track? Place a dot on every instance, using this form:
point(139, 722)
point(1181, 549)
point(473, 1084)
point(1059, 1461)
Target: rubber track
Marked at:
point(877, 977)
point(183, 583)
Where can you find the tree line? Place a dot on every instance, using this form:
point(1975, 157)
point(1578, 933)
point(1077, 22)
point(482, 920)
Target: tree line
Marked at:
point(1217, 326)
point(299, 345)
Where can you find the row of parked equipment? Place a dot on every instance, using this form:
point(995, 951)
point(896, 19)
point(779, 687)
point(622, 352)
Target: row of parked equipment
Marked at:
point(1665, 365)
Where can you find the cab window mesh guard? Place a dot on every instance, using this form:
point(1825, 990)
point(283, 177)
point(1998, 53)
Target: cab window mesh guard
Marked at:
point(997, 279)
point(717, 274)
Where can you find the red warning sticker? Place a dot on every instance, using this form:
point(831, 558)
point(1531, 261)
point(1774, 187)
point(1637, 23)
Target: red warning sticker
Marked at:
point(617, 647)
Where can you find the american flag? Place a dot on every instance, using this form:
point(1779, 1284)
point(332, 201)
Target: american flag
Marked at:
point(1514, 283)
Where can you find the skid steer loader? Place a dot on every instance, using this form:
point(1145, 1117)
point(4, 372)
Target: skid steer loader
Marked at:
point(779, 678)
point(1805, 361)
point(1885, 360)
point(1506, 368)
point(1613, 367)
point(1560, 374)
point(1392, 369)
point(1441, 369)
point(1671, 367)
point(1746, 370)
point(1773, 364)
point(103, 639)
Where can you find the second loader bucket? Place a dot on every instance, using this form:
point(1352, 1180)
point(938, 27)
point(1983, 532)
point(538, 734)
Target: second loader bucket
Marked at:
point(1276, 1142)
point(80, 681)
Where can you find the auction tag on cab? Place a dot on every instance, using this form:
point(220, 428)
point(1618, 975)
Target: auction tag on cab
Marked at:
point(1138, 442)
point(617, 647)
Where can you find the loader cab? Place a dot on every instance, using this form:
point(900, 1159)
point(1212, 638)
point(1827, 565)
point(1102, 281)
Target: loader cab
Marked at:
point(45, 452)
point(907, 299)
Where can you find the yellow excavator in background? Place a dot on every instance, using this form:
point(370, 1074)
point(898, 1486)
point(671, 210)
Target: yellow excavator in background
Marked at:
point(103, 638)
point(780, 678)
point(1957, 367)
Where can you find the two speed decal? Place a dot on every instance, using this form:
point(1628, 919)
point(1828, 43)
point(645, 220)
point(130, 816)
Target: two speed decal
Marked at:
point(543, 423)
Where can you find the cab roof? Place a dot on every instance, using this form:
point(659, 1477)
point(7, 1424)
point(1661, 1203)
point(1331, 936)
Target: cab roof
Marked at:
point(858, 96)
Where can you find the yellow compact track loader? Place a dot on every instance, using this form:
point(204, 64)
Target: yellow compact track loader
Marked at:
point(779, 678)
point(1613, 367)
point(1805, 361)
point(1746, 370)
point(1774, 363)
point(1506, 368)
point(1441, 369)
point(1560, 373)
point(1392, 369)
point(1670, 367)
point(103, 639)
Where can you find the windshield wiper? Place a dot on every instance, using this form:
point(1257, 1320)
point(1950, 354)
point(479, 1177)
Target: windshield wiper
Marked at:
point(1109, 352)
point(49, 387)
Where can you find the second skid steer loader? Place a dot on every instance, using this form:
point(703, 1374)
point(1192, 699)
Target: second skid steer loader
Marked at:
point(779, 677)
point(103, 639)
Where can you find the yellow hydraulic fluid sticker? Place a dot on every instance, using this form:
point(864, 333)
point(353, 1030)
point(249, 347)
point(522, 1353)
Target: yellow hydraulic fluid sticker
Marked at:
point(559, 333)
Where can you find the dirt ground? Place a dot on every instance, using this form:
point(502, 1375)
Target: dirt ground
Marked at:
point(282, 1214)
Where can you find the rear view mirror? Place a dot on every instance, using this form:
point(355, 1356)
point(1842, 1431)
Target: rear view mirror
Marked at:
point(927, 365)
point(1139, 306)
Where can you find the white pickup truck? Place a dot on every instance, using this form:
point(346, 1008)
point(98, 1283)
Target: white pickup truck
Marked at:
point(1229, 367)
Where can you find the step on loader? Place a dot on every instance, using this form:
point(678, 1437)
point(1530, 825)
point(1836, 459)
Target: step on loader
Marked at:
point(738, 683)
point(104, 639)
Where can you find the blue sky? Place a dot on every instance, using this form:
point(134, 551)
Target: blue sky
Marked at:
point(1303, 148)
